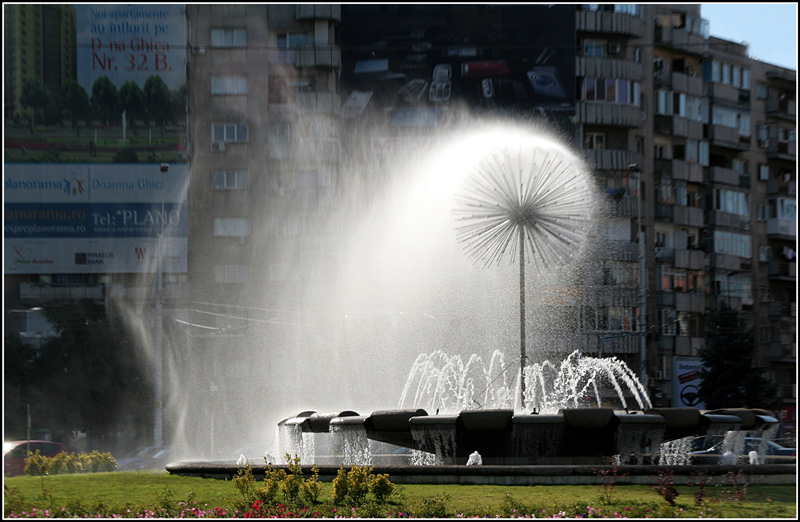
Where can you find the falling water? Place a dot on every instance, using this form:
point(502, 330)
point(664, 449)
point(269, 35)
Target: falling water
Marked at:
point(444, 383)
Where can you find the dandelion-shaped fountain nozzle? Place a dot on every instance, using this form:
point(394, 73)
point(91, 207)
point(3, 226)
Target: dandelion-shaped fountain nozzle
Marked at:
point(535, 197)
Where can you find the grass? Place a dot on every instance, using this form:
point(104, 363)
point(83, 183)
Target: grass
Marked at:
point(145, 493)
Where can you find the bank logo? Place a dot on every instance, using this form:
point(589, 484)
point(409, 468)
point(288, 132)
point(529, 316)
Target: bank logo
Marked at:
point(140, 252)
point(74, 186)
point(80, 259)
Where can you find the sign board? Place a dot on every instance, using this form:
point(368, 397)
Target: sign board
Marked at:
point(686, 382)
point(94, 218)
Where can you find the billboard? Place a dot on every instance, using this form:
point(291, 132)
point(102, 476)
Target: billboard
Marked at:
point(128, 42)
point(94, 103)
point(89, 218)
point(686, 382)
point(413, 62)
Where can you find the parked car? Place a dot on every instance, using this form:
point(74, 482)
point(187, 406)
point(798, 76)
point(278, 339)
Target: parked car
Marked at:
point(750, 444)
point(15, 453)
point(147, 458)
point(441, 83)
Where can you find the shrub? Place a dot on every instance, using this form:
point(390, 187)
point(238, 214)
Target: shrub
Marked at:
point(64, 463)
point(382, 488)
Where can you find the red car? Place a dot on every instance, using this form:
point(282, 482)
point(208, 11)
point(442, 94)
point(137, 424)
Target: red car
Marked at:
point(485, 69)
point(15, 453)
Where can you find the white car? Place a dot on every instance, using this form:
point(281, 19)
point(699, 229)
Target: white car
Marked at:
point(441, 83)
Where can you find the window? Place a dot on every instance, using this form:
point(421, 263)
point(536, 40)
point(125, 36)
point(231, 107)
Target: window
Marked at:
point(594, 48)
point(228, 85)
point(228, 133)
point(280, 132)
point(611, 90)
point(292, 40)
point(594, 141)
point(764, 254)
point(703, 149)
point(230, 227)
point(732, 244)
point(221, 37)
point(230, 180)
point(663, 103)
point(732, 201)
point(763, 172)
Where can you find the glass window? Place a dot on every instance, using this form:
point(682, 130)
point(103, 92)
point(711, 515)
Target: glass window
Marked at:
point(236, 227)
point(222, 37)
point(230, 180)
point(761, 91)
point(623, 92)
point(590, 89)
point(763, 172)
point(726, 73)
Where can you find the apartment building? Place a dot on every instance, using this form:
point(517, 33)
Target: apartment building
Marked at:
point(693, 141)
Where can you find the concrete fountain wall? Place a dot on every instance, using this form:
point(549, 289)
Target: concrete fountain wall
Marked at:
point(571, 447)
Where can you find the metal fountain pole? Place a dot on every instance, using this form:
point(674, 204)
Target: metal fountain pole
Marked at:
point(521, 317)
point(158, 418)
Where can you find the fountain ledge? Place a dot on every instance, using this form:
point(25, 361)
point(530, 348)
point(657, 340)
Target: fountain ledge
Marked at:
point(776, 473)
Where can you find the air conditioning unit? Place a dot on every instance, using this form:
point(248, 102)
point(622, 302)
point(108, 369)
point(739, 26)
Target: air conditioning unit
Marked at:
point(198, 49)
point(613, 48)
point(218, 146)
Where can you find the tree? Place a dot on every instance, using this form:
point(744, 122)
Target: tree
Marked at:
point(157, 98)
point(729, 376)
point(105, 99)
point(91, 376)
point(35, 95)
point(75, 99)
point(131, 97)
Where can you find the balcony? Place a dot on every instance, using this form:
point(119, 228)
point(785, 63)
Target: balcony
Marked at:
point(690, 302)
point(318, 12)
point(607, 159)
point(687, 171)
point(609, 22)
point(679, 39)
point(727, 220)
point(318, 56)
point(665, 255)
point(677, 126)
point(781, 228)
point(591, 67)
point(728, 94)
point(318, 103)
point(688, 216)
point(783, 150)
point(781, 110)
point(723, 176)
point(623, 251)
point(690, 259)
point(785, 270)
point(783, 187)
point(725, 262)
point(612, 114)
point(686, 83)
point(727, 137)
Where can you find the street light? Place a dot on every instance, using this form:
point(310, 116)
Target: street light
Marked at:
point(634, 167)
point(158, 412)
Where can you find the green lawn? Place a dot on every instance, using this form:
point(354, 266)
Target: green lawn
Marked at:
point(167, 495)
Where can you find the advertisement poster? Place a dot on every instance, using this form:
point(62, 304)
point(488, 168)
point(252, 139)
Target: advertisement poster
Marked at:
point(88, 218)
point(95, 103)
point(414, 63)
point(686, 382)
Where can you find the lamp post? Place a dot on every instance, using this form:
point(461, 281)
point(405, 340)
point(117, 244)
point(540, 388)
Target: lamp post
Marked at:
point(634, 167)
point(158, 419)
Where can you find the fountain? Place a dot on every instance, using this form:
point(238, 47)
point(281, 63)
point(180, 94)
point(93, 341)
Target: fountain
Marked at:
point(407, 289)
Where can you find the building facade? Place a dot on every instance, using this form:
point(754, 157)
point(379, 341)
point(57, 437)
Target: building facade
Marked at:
point(693, 142)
